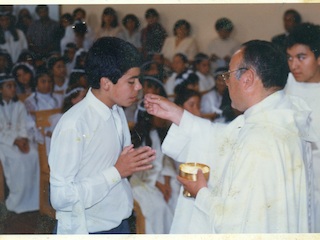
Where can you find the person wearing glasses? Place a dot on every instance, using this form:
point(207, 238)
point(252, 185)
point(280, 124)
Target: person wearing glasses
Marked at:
point(258, 180)
point(303, 44)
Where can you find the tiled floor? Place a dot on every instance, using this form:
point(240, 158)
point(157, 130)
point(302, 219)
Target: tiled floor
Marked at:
point(34, 223)
point(27, 223)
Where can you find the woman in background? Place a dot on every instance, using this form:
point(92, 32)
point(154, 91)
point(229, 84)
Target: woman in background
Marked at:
point(131, 31)
point(109, 24)
point(181, 42)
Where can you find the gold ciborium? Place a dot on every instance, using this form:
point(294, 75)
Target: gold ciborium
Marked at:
point(189, 171)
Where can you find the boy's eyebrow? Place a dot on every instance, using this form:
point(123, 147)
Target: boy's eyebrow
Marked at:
point(136, 76)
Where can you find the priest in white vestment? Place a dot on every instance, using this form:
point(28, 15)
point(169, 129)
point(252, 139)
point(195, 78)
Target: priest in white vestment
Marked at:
point(257, 181)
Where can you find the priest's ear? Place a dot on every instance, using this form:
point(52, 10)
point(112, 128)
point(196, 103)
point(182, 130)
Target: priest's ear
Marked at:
point(248, 78)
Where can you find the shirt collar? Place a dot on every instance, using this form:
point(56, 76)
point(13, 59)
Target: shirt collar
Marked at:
point(99, 106)
point(264, 104)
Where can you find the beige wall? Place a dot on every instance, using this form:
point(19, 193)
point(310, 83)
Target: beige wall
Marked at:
point(252, 21)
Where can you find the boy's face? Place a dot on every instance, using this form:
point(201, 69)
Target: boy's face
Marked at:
point(125, 91)
point(303, 64)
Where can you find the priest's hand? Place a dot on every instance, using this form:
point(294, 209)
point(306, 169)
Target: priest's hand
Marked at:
point(133, 160)
point(163, 108)
point(193, 187)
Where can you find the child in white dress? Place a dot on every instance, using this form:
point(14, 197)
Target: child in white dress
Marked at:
point(19, 156)
point(156, 190)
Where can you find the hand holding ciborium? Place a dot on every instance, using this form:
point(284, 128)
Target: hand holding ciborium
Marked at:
point(188, 171)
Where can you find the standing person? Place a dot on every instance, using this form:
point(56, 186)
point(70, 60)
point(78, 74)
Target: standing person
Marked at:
point(89, 188)
point(20, 157)
point(303, 51)
point(258, 182)
point(109, 24)
point(153, 35)
point(181, 42)
point(42, 35)
point(221, 48)
point(291, 19)
point(131, 31)
point(11, 39)
point(24, 20)
point(67, 32)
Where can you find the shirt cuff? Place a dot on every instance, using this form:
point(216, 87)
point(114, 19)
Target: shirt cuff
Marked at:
point(112, 176)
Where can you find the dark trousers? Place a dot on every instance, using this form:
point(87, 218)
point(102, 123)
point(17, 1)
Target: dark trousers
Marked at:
point(123, 228)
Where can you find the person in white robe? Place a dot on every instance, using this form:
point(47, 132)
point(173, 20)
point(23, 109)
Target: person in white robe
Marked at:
point(109, 24)
point(181, 42)
point(42, 99)
point(91, 154)
point(13, 39)
point(221, 48)
point(258, 181)
point(179, 65)
point(211, 101)
point(19, 157)
point(156, 190)
point(304, 81)
point(131, 31)
point(202, 69)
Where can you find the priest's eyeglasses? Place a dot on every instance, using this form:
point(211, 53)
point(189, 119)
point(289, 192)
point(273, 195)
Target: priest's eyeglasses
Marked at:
point(226, 75)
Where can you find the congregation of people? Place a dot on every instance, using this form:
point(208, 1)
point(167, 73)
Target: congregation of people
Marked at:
point(43, 67)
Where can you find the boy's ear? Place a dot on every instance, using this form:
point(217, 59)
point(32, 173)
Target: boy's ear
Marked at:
point(105, 83)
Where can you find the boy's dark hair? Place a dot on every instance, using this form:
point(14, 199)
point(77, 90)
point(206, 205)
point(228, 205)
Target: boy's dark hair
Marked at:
point(224, 23)
point(306, 34)
point(110, 57)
